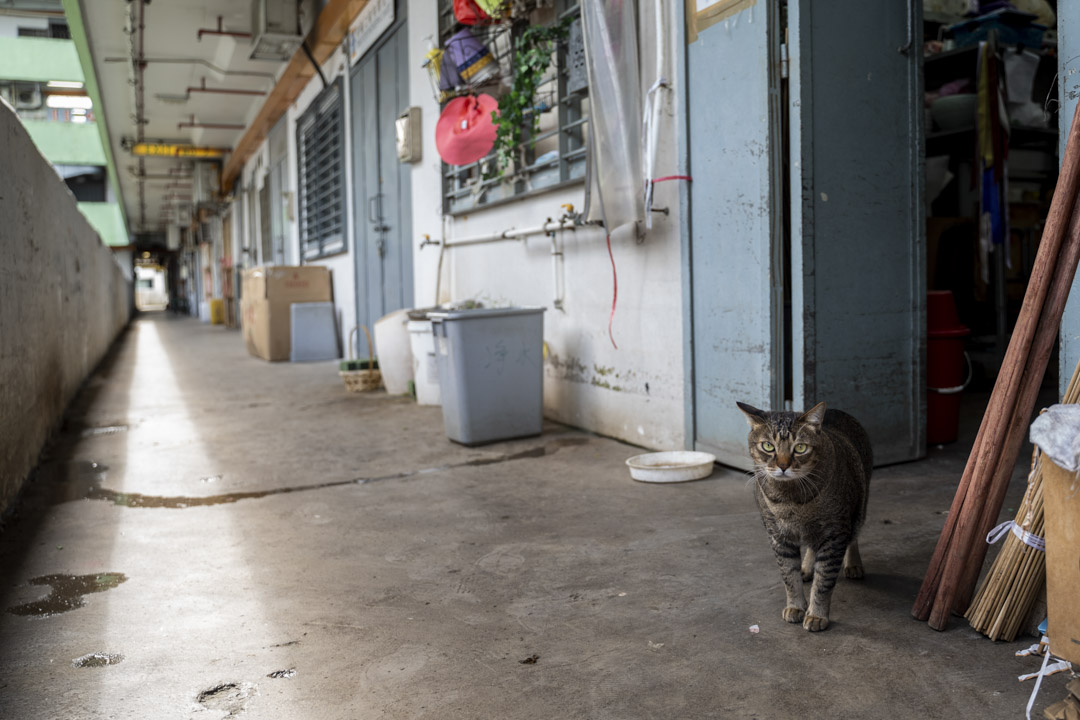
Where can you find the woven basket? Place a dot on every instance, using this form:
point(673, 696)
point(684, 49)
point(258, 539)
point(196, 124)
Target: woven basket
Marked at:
point(360, 379)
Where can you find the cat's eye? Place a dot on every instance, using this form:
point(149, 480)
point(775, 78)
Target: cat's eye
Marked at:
point(801, 448)
point(767, 446)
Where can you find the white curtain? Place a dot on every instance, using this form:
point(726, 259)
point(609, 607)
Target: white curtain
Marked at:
point(615, 111)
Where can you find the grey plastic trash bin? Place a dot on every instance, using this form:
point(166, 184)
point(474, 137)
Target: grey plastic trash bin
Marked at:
point(491, 372)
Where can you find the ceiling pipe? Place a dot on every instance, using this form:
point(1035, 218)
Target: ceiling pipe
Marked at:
point(158, 176)
point(209, 126)
point(221, 31)
point(222, 91)
point(197, 61)
point(140, 106)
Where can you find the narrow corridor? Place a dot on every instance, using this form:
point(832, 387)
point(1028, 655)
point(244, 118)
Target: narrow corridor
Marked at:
point(211, 533)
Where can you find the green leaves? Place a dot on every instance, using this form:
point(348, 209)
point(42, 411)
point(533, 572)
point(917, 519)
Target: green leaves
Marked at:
point(533, 50)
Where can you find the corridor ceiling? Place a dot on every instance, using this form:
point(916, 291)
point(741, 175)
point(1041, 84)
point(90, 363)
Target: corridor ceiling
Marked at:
point(195, 88)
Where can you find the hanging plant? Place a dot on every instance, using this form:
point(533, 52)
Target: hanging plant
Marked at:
point(533, 50)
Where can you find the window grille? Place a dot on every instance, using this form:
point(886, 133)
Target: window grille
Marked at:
point(320, 143)
point(553, 158)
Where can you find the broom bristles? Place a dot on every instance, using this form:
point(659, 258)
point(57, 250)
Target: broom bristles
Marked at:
point(1016, 578)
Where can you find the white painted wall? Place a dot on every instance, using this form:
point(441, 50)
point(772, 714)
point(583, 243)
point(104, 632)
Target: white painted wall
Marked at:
point(254, 174)
point(635, 392)
point(10, 24)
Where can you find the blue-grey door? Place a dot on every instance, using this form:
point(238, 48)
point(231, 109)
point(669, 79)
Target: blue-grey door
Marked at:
point(806, 253)
point(858, 224)
point(736, 263)
point(381, 186)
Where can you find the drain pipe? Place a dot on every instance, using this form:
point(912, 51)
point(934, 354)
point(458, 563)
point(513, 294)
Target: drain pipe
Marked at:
point(549, 228)
point(511, 234)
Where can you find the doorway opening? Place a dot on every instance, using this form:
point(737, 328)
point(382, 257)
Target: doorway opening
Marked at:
point(989, 178)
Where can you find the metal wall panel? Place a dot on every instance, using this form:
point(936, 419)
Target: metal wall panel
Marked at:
point(381, 184)
point(735, 226)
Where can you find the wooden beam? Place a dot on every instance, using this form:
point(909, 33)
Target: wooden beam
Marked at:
point(330, 30)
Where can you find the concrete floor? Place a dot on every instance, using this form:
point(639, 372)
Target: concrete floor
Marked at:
point(226, 519)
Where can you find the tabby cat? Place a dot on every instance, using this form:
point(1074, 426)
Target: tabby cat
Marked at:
point(812, 473)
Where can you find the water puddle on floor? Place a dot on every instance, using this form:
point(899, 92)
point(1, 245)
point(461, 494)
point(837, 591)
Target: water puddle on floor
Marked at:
point(67, 593)
point(93, 660)
point(83, 481)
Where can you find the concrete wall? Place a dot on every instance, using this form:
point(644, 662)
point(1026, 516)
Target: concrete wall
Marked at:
point(63, 299)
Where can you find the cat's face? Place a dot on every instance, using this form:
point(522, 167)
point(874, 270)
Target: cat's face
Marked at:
point(783, 445)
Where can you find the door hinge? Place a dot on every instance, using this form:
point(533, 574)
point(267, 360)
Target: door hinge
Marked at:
point(783, 61)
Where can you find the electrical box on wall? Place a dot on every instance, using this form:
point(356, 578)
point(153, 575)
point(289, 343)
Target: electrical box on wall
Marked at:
point(407, 127)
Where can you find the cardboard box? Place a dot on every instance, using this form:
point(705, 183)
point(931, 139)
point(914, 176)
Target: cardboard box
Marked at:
point(267, 293)
point(1061, 498)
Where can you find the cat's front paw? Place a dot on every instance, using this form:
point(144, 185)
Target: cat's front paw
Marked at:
point(813, 623)
point(855, 572)
point(793, 614)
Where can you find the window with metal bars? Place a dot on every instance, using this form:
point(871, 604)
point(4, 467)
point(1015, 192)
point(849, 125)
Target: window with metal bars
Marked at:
point(555, 156)
point(320, 145)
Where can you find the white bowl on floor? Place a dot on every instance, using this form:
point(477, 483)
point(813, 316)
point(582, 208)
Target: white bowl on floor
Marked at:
point(672, 466)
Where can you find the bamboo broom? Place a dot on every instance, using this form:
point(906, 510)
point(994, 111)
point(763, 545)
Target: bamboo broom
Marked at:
point(1017, 576)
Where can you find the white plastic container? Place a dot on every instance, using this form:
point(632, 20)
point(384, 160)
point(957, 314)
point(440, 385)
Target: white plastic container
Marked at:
point(395, 355)
point(425, 366)
point(672, 466)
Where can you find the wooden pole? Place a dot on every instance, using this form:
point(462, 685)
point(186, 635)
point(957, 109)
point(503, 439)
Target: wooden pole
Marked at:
point(945, 574)
point(1042, 347)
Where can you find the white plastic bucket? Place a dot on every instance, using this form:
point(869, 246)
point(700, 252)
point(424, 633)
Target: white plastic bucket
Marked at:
point(425, 366)
point(393, 351)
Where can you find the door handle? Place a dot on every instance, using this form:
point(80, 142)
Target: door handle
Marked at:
point(374, 212)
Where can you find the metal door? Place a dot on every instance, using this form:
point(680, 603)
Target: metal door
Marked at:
point(382, 212)
point(736, 241)
point(858, 286)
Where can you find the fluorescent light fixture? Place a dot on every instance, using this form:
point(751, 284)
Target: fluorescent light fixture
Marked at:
point(78, 119)
point(78, 111)
point(74, 84)
point(69, 102)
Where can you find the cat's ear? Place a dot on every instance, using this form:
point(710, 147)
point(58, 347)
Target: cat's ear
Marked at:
point(753, 416)
point(815, 415)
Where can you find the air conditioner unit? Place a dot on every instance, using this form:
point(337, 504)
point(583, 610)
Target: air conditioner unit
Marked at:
point(27, 96)
point(279, 26)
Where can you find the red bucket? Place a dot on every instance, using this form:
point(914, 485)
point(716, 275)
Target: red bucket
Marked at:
point(945, 367)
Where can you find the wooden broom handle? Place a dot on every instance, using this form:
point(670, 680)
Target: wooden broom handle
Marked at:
point(938, 585)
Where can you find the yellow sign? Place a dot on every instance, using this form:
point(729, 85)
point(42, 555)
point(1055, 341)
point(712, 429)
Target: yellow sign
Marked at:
point(176, 151)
